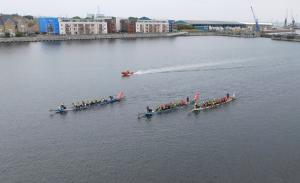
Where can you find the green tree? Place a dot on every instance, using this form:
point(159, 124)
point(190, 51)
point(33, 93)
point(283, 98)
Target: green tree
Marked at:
point(132, 18)
point(19, 34)
point(184, 27)
point(29, 17)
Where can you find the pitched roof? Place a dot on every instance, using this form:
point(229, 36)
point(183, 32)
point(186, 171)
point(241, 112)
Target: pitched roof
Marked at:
point(144, 18)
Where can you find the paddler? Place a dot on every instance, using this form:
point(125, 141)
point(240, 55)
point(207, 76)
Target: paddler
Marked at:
point(227, 96)
point(149, 110)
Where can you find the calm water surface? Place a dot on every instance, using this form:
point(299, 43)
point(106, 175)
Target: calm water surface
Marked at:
point(254, 139)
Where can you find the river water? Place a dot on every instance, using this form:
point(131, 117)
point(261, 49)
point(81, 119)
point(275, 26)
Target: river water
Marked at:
point(254, 139)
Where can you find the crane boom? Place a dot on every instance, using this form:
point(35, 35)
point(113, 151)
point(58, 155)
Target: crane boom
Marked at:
point(257, 29)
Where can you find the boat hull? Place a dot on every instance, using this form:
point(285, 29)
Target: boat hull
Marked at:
point(127, 74)
point(213, 106)
point(151, 114)
point(86, 107)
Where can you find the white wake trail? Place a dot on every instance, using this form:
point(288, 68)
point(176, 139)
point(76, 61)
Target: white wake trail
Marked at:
point(179, 68)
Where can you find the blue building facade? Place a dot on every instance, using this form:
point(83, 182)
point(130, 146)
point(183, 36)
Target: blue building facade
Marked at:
point(171, 25)
point(48, 25)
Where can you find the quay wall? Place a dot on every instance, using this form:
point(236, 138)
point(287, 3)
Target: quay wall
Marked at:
point(292, 38)
point(45, 38)
point(50, 38)
point(228, 34)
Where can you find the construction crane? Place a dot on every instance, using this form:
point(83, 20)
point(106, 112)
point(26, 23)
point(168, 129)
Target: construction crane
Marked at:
point(293, 20)
point(286, 19)
point(257, 29)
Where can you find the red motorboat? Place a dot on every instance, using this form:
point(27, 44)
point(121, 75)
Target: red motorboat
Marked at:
point(127, 73)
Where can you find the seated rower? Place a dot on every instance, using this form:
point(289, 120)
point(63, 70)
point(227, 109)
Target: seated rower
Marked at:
point(187, 99)
point(183, 103)
point(196, 106)
point(111, 98)
point(149, 110)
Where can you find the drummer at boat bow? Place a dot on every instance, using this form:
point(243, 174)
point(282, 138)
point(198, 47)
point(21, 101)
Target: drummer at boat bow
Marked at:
point(149, 110)
point(62, 107)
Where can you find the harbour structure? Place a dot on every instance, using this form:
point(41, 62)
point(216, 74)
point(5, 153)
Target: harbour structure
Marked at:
point(263, 26)
point(204, 25)
point(48, 25)
point(257, 27)
point(146, 25)
point(70, 26)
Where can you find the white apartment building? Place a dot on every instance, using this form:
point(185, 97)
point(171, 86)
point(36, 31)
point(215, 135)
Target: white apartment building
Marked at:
point(81, 26)
point(152, 26)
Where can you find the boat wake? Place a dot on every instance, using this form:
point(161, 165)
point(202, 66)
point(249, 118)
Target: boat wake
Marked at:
point(187, 68)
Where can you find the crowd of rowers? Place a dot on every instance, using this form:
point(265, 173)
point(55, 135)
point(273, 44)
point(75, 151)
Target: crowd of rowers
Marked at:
point(169, 106)
point(88, 103)
point(213, 102)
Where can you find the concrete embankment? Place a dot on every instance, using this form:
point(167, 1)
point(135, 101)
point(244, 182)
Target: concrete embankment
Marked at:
point(227, 34)
point(288, 37)
point(47, 38)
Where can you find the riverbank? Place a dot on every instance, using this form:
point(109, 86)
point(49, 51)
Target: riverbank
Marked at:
point(49, 38)
point(287, 37)
point(227, 34)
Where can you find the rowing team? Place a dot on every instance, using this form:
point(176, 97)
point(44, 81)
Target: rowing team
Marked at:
point(90, 103)
point(169, 106)
point(213, 102)
point(85, 104)
point(185, 102)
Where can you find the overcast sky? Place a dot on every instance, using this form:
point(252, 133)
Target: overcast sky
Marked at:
point(266, 10)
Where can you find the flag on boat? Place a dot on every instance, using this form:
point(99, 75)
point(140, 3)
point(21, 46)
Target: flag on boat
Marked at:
point(197, 96)
point(120, 95)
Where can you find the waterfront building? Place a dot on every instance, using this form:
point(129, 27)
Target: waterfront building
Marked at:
point(128, 25)
point(111, 25)
point(171, 25)
point(21, 24)
point(32, 26)
point(118, 24)
point(1, 27)
point(263, 26)
point(10, 27)
point(69, 26)
point(48, 25)
point(144, 25)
